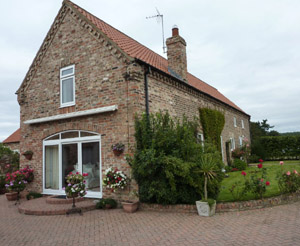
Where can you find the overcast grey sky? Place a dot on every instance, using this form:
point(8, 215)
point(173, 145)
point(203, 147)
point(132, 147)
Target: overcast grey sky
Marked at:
point(248, 49)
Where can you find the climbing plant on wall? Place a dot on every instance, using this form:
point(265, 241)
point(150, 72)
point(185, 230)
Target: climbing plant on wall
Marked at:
point(212, 122)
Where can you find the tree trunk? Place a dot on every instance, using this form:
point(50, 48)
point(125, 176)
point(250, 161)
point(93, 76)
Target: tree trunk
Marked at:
point(205, 188)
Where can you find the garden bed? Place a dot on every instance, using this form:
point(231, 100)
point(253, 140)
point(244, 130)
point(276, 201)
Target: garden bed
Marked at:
point(225, 206)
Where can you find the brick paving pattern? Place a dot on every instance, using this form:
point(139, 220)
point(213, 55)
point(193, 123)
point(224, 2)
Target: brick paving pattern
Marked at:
point(270, 226)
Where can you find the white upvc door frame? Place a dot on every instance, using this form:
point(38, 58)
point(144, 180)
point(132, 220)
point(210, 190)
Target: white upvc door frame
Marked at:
point(79, 141)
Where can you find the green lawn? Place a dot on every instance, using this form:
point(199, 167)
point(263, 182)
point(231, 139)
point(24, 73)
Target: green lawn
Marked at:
point(272, 168)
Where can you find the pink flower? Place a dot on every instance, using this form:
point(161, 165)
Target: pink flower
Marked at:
point(244, 173)
point(281, 163)
point(267, 183)
point(262, 180)
point(288, 173)
point(295, 172)
point(259, 165)
point(261, 160)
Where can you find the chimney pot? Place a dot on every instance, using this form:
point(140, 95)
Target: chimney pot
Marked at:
point(175, 31)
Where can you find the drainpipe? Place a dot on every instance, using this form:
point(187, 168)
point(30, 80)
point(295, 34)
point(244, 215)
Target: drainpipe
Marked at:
point(147, 71)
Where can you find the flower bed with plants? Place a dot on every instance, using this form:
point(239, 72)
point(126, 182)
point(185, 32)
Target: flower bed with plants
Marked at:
point(263, 180)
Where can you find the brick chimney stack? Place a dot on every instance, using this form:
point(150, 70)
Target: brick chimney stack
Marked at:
point(176, 52)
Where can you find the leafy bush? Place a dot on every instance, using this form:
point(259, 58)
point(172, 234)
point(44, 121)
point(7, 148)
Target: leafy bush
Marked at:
point(2, 184)
point(166, 161)
point(9, 160)
point(106, 201)
point(254, 158)
point(257, 184)
point(239, 164)
point(33, 195)
point(212, 122)
point(289, 182)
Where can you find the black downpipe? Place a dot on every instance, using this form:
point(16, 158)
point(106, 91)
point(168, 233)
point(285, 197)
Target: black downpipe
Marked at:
point(147, 71)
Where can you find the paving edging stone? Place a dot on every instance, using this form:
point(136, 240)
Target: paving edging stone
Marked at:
point(225, 207)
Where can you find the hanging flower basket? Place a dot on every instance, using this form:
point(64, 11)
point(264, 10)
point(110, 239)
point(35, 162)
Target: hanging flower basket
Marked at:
point(28, 154)
point(118, 148)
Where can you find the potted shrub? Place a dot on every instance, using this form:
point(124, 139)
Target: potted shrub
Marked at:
point(118, 148)
point(208, 168)
point(75, 188)
point(106, 203)
point(28, 154)
point(15, 183)
point(131, 205)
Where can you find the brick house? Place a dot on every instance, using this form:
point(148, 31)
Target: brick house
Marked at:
point(13, 141)
point(84, 87)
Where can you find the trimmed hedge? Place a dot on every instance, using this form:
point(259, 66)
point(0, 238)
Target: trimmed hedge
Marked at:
point(281, 147)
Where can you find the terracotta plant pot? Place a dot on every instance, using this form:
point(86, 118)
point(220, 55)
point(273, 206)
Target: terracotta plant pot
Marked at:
point(117, 152)
point(28, 156)
point(11, 196)
point(130, 207)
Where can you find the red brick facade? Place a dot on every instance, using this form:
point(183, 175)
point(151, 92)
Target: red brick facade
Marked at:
point(104, 76)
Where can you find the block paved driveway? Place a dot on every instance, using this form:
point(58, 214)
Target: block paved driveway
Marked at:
point(271, 226)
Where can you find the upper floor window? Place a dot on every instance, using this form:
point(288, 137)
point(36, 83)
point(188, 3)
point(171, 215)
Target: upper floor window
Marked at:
point(234, 121)
point(67, 86)
point(243, 126)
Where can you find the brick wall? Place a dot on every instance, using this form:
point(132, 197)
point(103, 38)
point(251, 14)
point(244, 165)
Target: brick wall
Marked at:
point(100, 81)
point(102, 78)
point(178, 100)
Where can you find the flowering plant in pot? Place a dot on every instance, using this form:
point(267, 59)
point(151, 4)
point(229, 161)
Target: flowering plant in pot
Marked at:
point(15, 183)
point(115, 179)
point(118, 148)
point(28, 172)
point(208, 169)
point(75, 188)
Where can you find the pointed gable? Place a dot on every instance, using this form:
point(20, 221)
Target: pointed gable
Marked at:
point(141, 52)
point(126, 45)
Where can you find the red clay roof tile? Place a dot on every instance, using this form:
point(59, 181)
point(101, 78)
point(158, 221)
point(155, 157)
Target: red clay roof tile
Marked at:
point(14, 138)
point(136, 50)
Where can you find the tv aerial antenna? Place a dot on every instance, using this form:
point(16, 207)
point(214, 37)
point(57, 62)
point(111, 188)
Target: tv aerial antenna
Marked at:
point(160, 18)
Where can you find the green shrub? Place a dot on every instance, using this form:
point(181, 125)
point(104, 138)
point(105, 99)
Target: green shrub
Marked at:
point(106, 201)
point(212, 122)
point(2, 184)
point(288, 182)
point(239, 164)
point(165, 162)
point(33, 195)
point(254, 158)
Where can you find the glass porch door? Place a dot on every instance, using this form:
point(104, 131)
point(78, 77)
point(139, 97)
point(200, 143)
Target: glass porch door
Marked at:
point(79, 152)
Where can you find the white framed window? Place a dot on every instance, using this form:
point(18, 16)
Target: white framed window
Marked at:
point(241, 141)
point(243, 126)
point(200, 138)
point(232, 142)
point(234, 122)
point(222, 149)
point(67, 86)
